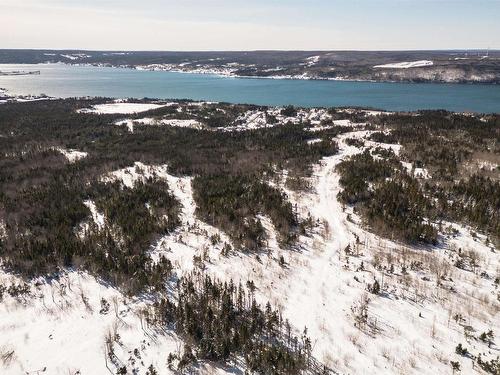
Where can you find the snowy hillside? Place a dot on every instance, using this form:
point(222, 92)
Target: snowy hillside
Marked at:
point(370, 304)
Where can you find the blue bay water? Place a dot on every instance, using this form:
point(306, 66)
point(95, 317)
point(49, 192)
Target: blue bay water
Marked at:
point(61, 80)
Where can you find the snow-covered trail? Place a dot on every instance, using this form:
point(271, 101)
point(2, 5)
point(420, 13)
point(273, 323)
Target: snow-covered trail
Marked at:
point(324, 290)
point(328, 188)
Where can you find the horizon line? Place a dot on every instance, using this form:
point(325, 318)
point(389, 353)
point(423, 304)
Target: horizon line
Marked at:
point(258, 50)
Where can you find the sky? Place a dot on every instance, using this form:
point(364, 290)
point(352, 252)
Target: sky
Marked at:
point(250, 25)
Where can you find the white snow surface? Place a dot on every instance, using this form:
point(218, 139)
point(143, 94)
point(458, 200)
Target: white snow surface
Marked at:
point(122, 108)
point(72, 155)
point(72, 57)
point(182, 123)
point(97, 217)
point(313, 60)
point(59, 329)
point(320, 289)
point(406, 64)
point(3, 229)
point(417, 171)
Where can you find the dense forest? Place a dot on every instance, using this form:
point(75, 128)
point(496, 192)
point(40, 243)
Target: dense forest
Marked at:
point(228, 202)
point(390, 200)
point(465, 191)
point(42, 195)
point(397, 203)
point(221, 320)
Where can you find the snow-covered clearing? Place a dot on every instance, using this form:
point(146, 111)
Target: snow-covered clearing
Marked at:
point(73, 57)
point(406, 64)
point(313, 141)
point(121, 108)
point(2, 229)
point(62, 327)
point(68, 325)
point(79, 313)
point(416, 171)
point(250, 120)
point(182, 123)
point(257, 119)
point(313, 60)
point(376, 113)
point(367, 112)
point(97, 217)
point(138, 172)
point(72, 155)
point(345, 123)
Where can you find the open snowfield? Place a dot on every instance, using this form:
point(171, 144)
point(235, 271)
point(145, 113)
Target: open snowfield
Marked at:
point(182, 123)
point(313, 60)
point(425, 308)
point(121, 108)
point(406, 64)
point(63, 329)
point(72, 155)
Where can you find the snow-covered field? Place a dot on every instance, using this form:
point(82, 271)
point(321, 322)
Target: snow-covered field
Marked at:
point(73, 57)
point(63, 327)
point(313, 60)
point(425, 308)
point(257, 119)
point(415, 171)
point(406, 64)
point(72, 155)
point(121, 108)
point(182, 123)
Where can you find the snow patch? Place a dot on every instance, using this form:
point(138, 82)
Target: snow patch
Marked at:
point(182, 123)
point(313, 60)
point(72, 155)
point(97, 217)
point(72, 57)
point(406, 64)
point(121, 108)
point(313, 141)
point(3, 229)
point(416, 172)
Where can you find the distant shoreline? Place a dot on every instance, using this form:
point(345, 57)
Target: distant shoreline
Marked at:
point(19, 73)
point(218, 73)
